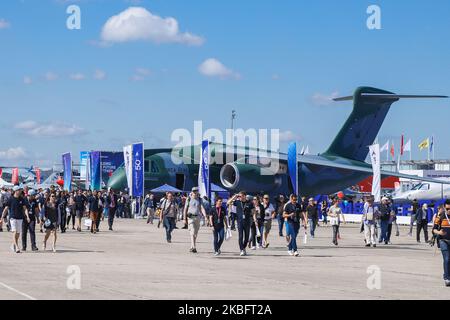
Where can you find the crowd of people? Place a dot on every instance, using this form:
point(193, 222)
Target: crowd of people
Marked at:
point(52, 210)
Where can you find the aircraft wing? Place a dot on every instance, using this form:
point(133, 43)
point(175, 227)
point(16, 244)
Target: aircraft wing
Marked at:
point(363, 167)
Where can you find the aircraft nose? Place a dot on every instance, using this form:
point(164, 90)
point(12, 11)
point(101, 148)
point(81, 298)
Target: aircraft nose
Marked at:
point(118, 180)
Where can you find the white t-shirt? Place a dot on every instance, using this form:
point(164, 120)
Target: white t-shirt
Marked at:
point(268, 212)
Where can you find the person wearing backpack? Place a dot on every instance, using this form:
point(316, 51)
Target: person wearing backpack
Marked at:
point(192, 213)
point(385, 214)
point(370, 214)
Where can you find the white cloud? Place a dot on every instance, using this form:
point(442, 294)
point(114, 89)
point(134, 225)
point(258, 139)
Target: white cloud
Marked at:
point(214, 68)
point(99, 75)
point(13, 154)
point(77, 76)
point(139, 24)
point(27, 80)
point(4, 24)
point(288, 136)
point(51, 129)
point(320, 99)
point(50, 76)
point(141, 74)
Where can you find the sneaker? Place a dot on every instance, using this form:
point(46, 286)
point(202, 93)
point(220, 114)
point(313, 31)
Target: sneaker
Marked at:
point(296, 253)
point(374, 245)
point(368, 245)
point(290, 253)
point(18, 250)
point(253, 248)
point(34, 249)
point(169, 241)
point(110, 229)
point(447, 283)
point(194, 250)
point(24, 249)
point(54, 250)
point(190, 250)
point(219, 252)
point(267, 245)
point(216, 253)
point(242, 253)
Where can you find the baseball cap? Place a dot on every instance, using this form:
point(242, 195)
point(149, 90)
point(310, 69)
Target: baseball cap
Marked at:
point(31, 192)
point(16, 188)
point(195, 189)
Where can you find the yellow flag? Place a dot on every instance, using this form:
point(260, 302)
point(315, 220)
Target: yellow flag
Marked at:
point(424, 144)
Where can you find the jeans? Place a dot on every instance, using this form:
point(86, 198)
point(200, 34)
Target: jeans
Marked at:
point(280, 224)
point(413, 219)
point(325, 218)
point(446, 256)
point(384, 231)
point(111, 215)
point(219, 235)
point(233, 220)
point(244, 232)
point(293, 232)
point(335, 234)
point(169, 225)
point(261, 232)
point(312, 226)
point(422, 225)
point(369, 233)
point(31, 228)
point(253, 234)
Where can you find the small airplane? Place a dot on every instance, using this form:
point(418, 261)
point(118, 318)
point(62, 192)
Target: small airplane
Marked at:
point(424, 191)
point(342, 165)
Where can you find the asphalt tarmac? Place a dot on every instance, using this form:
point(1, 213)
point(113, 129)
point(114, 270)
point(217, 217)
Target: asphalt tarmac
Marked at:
point(135, 262)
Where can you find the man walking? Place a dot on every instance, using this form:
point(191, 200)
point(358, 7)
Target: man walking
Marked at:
point(441, 229)
point(33, 212)
point(422, 222)
point(313, 216)
point(112, 201)
point(385, 215)
point(18, 211)
point(370, 214)
point(192, 213)
point(294, 214)
point(244, 215)
point(80, 205)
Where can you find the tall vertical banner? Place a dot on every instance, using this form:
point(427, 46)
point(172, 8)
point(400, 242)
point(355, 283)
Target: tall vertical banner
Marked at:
point(67, 167)
point(376, 167)
point(293, 166)
point(15, 176)
point(88, 171)
point(95, 170)
point(110, 162)
point(137, 160)
point(127, 150)
point(204, 182)
point(84, 155)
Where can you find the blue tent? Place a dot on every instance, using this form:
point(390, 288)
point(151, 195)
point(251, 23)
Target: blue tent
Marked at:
point(166, 188)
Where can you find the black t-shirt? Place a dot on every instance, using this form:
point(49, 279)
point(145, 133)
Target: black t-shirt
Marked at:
point(291, 208)
point(32, 207)
point(312, 212)
point(94, 204)
point(262, 214)
point(51, 213)
point(15, 206)
point(80, 201)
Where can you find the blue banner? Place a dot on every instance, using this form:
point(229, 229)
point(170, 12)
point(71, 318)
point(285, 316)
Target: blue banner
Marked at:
point(84, 155)
point(204, 182)
point(95, 170)
point(110, 162)
point(137, 173)
point(293, 166)
point(67, 167)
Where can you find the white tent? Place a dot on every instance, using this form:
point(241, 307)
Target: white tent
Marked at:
point(3, 183)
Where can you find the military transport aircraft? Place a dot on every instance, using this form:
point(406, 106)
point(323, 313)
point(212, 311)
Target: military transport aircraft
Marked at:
point(342, 165)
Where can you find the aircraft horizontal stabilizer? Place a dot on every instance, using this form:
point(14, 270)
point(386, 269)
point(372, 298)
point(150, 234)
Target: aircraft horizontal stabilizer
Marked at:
point(390, 96)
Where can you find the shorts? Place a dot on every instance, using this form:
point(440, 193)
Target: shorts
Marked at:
point(51, 227)
point(193, 226)
point(79, 213)
point(267, 226)
point(16, 225)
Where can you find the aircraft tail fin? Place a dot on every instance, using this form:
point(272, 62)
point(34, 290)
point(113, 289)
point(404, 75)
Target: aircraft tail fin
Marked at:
point(370, 107)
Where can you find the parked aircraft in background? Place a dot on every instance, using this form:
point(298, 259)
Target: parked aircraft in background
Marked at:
point(341, 166)
point(424, 191)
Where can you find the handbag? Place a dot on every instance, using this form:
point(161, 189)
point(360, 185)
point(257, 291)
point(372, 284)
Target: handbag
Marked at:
point(47, 223)
point(334, 221)
point(228, 234)
point(88, 223)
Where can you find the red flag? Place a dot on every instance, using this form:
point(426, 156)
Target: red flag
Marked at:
point(392, 151)
point(403, 146)
point(15, 176)
point(38, 176)
point(1, 172)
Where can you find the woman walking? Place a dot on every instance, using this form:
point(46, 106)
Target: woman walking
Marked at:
point(218, 221)
point(335, 214)
point(50, 220)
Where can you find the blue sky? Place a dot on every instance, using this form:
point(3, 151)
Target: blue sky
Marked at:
point(70, 90)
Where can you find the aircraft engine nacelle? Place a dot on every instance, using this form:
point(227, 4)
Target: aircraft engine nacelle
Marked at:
point(249, 177)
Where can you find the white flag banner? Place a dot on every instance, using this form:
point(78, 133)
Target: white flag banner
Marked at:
point(407, 146)
point(385, 147)
point(376, 167)
point(127, 150)
point(307, 150)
